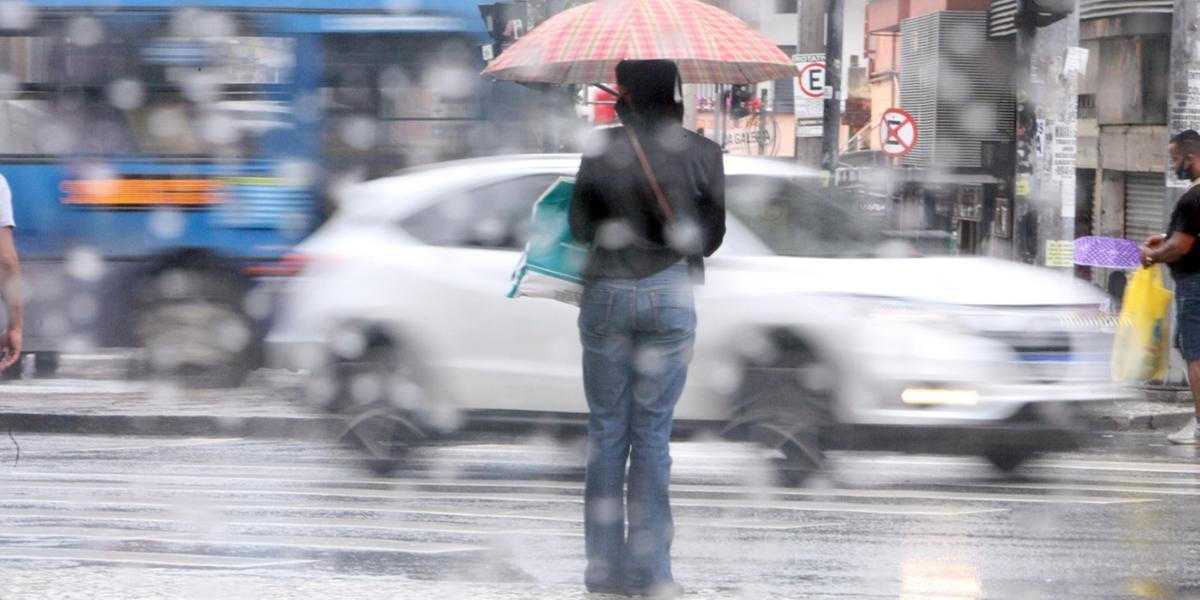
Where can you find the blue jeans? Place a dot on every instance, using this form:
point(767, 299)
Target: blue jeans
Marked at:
point(1187, 316)
point(637, 339)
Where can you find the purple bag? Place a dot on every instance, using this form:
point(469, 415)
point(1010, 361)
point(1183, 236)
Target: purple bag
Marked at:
point(1111, 253)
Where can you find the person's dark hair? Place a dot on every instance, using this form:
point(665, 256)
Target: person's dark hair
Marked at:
point(650, 93)
point(1187, 141)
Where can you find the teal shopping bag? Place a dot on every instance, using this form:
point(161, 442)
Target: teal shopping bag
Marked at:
point(550, 265)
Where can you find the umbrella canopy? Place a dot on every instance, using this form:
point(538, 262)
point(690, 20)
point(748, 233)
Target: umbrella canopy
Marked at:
point(583, 45)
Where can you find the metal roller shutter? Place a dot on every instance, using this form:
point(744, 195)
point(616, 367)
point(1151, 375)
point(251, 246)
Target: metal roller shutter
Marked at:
point(1145, 200)
point(785, 101)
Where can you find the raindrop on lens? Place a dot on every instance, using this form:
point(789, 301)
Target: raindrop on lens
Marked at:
point(167, 223)
point(358, 132)
point(85, 32)
point(614, 235)
point(219, 129)
point(85, 264)
point(126, 94)
point(16, 14)
point(349, 344)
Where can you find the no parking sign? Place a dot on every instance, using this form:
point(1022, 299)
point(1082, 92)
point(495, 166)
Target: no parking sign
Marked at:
point(897, 132)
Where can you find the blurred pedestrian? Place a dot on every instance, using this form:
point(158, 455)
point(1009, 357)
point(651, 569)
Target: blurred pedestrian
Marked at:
point(10, 289)
point(650, 199)
point(1178, 249)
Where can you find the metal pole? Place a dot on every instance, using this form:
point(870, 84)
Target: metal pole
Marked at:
point(720, 124)
point(810, 40)
point(831, 137)
point(1022, 147)
point(1046, 211)
point(763, 98)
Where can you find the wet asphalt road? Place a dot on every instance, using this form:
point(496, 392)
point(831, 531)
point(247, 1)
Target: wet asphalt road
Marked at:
point(498, 518)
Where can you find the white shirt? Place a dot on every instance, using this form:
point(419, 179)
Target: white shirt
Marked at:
point(6, 209)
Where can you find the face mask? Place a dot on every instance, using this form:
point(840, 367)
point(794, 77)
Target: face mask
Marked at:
point(1185, 171)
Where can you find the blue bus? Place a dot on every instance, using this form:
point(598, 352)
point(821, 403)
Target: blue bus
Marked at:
point(164, 158)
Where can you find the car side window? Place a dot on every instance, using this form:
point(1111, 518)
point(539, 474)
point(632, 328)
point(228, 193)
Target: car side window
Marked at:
point(797, 218)
point(494, 215)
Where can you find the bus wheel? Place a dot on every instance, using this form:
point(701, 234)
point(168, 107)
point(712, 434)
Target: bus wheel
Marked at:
point(193, 329)
point(45, 364)
point(13, 373)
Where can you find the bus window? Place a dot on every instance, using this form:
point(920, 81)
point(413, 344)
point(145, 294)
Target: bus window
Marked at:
point(139, 93)
point(397, 100)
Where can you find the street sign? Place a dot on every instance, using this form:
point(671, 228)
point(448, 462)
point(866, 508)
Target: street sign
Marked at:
point(897, 132)
point(812, 79)
point(808, 90)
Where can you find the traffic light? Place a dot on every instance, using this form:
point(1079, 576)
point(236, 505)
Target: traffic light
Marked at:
point(504, 20)
point(1032, 14)
point(739, 104)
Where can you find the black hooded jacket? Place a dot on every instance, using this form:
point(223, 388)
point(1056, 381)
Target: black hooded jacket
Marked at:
point(614, 208)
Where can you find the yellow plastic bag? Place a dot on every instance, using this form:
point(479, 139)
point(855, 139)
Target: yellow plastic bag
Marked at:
point(1142, 341)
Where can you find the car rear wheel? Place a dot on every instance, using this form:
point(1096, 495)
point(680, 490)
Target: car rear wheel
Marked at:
point(1007, 460)
point(784, 402)
point(379, 393)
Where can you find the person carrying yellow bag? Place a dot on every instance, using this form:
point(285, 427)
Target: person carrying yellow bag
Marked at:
point(1140, 346)
point(1178, 249)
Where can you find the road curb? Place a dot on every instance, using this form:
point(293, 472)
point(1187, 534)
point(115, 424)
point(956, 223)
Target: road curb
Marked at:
point(268, 427)
point(1165, 421)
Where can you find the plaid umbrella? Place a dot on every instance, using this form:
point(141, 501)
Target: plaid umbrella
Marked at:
point(583, 45)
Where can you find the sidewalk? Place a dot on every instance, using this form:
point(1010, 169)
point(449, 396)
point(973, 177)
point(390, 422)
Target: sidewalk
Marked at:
point(1159, 409)
point(92, 395)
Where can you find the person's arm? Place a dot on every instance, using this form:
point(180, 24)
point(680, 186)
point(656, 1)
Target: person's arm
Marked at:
point(1185, 226)
point(10, 292)
point(586, 210)
point(1167, 250)
point(712, 205)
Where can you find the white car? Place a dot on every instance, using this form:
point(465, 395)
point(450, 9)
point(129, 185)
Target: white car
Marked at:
point(807, 337)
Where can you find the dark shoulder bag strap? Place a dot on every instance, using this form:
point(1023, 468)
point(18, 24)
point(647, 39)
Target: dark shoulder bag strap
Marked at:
point(649, 171)
point(695, 263)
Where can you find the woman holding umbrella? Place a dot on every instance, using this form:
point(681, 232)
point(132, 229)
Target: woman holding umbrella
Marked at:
point(650, 199)
point(652, 204)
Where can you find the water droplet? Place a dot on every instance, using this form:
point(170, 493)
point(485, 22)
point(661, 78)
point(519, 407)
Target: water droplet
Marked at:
point(166, 223)
point(359, 133)
point(17, 14)
point(126, 94)
point(85, 264)
point(85, 32)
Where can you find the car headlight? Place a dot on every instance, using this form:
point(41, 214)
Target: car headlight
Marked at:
point(914, 313)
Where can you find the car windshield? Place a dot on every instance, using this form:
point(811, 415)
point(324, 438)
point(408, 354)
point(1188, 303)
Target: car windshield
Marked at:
point(797, 217)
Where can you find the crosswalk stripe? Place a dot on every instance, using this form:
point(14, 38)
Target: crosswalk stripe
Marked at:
point(1064, 463)
point(74, 386)
point(736, 503)
point(681, 491)
point(350, 523)
point(1096, 488)
point(167, 443)
point(225, 538)
point(145, 558)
